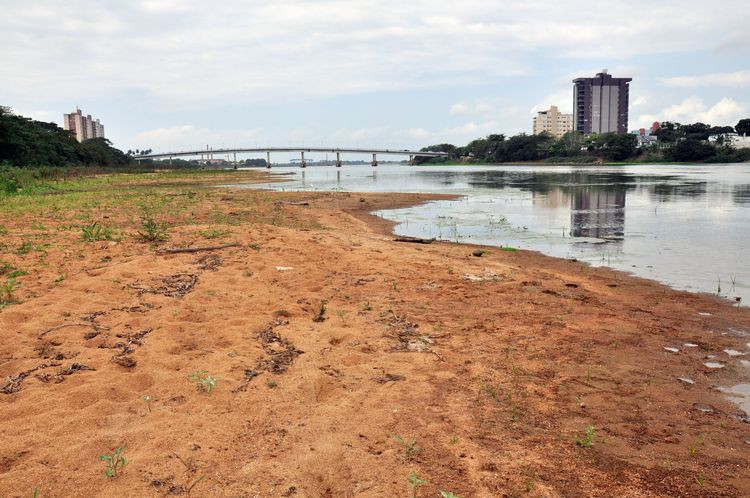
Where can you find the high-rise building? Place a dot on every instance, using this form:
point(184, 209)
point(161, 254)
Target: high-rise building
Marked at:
point(83, 127)
point(601, 104)
point(553, 122)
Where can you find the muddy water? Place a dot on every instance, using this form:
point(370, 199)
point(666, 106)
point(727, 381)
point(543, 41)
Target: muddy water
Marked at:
point(687, 226)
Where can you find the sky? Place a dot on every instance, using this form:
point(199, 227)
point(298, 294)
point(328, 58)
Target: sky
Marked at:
point(180, 74)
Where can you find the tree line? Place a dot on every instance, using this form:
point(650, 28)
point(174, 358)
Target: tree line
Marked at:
point(676, 142)
point(25, 142)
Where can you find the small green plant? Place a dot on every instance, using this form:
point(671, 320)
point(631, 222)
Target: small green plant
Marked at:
point(414, 483)
point(367, 307)
point(25, 248)
point(342, 315)
point(693, 449)
point(116, 462)
point(214, 234)
point(7, 289)
point(490, 390)
point(509, 249)
point(60, 278)
point(272, 384)
point(204, 382)
point(587, 440)
point(17, 273)
point(94, 231)
point(254, 246)
point(700, 479)
point(321, 316)
point(410, 447)
point(151, 230)
point(453, 440)
point(448, 494)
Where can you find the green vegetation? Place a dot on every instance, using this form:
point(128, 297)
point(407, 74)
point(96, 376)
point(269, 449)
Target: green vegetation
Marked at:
point(410, 447)
point(214, 234)
point(448, 494)
point(94, 231)
point(6, 292)
point(677, 142)
point(321, 316)
point(414, 483)
point(116, 462)
point(588, 440)
point(203, 381)
point(152, 230)
point(25, 142)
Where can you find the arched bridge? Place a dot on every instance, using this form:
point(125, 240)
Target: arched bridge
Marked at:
point(208, 153)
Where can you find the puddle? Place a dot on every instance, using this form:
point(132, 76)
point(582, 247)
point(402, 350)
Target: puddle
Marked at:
point(745, 363)
point(740, 395)
point(713, 364)
point(704, 314)
point(672, 350)
point(732, 352)
point(710, 356)
point(686, 380)
point(690, 345)
point(702, 407)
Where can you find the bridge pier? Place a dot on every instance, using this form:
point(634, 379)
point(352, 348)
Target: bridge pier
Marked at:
point(411, 161)
point(374, 159)
point(302, 163)
point(338, 159)
point(268, 159)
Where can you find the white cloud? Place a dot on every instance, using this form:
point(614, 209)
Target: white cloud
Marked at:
point(458, 109)
point(692, 110)
point(193, 50)
point(46, 116)
point(738, 79)
point(183, 137)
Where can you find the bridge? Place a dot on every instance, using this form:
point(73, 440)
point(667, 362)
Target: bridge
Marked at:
point(208, 153)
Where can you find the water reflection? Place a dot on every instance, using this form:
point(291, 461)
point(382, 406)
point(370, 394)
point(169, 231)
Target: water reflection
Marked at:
point(598, 212)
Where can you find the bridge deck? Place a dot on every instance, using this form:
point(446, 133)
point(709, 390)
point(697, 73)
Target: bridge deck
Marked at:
point(200, 152)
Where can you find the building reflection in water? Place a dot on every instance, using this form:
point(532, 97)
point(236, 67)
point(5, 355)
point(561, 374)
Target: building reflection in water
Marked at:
point(598, 211)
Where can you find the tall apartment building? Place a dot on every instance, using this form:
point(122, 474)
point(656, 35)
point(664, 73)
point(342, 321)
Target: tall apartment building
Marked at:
point(83, 127)
point(553, 122)
point(601, 104)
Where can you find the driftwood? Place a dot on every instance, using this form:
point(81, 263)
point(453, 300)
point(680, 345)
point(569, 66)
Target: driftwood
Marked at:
point(175, 250)
point(414, 240)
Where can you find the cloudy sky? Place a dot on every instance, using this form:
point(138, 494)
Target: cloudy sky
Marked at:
point(175, 74)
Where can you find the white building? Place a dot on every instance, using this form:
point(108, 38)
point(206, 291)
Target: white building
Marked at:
point(733, 140)
point(553, 122)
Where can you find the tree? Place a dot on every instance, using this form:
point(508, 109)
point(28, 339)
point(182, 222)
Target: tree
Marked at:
point(668, 132)
point(691, 149)
point(616, 146)
point(743, 126)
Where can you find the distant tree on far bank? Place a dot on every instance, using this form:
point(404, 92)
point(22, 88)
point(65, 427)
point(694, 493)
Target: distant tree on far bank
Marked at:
point(676, 142)
point(743, 127)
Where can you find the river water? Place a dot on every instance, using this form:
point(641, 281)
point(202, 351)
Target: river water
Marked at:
point(687, 226)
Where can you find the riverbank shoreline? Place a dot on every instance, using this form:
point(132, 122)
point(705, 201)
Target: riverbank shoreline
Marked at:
point(327, 339)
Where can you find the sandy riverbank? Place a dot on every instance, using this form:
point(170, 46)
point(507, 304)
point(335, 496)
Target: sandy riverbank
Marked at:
point(493, 365)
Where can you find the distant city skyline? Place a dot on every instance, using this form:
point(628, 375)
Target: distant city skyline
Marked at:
point(175, 74)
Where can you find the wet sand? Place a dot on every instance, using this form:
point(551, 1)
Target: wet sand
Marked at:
point(495, 366)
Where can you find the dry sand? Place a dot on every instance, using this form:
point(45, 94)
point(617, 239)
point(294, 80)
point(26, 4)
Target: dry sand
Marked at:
point(492, 365)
